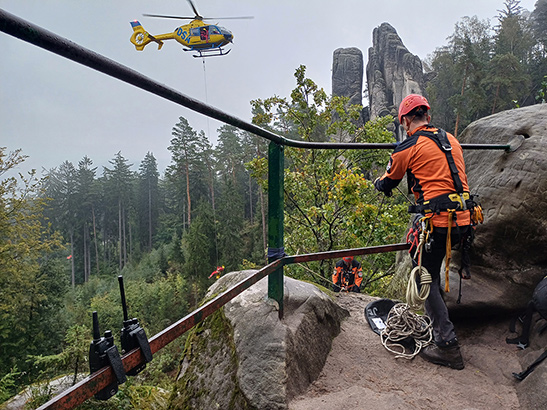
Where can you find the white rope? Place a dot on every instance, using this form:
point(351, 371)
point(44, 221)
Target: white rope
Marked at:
point(414, 297)
point(403, 324)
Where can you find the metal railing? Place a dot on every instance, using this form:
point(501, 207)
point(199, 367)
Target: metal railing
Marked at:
point(26, 31)
point(99, 380)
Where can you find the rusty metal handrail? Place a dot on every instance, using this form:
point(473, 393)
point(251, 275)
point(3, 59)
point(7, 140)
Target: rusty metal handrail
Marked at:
point(97, 381)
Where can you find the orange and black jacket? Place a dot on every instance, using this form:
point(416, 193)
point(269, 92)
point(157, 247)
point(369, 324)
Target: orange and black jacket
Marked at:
point(347, 276)
point(427, 170)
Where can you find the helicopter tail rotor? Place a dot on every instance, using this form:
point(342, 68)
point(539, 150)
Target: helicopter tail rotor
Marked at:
point(140, 37)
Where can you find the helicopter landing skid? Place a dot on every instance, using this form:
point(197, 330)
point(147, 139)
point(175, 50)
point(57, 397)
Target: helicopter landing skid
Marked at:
point(212, 52)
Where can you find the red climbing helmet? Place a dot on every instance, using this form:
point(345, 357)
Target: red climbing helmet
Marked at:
point(410, 102)
point(348, 259)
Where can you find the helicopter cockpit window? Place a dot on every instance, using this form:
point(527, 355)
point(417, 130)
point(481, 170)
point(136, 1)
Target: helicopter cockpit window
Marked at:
point(214, 30)
point(194, 31)
point(224, 30)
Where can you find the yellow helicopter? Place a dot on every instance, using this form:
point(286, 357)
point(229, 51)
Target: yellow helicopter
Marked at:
point(206, 39)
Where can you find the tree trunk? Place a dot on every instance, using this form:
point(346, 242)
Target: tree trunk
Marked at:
point(72, 258)
point(496, 99)
point(149, 216)
point(88, 256)
point(124, 236)
point(95, 239)
point(262, 209)
point(84, 239)
point(120, 234)
point(459, 105)
point(189, 201)
point(250, 198)
point(212, 186)
point(263, 213)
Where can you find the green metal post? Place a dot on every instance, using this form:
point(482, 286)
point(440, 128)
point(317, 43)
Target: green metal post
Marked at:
point(276, 160)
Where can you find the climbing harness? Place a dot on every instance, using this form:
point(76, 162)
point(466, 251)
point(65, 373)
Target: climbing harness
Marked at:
point(451, 203)
point(404, 330)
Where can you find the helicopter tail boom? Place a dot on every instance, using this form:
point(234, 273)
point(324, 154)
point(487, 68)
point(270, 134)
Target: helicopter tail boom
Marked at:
point(140, 37)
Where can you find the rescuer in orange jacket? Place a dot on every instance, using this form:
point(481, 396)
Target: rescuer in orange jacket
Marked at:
point(432, 160)
point(347, 276)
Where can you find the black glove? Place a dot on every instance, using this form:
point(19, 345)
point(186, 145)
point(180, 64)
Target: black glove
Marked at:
point(378, 186)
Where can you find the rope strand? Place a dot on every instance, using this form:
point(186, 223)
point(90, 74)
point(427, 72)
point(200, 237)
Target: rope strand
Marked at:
point(414, 297)
point(403, 324)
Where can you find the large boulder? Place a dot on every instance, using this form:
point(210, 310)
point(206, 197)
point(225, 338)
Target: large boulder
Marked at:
point(243, 356)
point(508, 257)
point(392, 73)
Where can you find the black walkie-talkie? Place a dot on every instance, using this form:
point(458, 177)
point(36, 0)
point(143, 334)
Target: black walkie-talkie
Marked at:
point(133, 335)
point(103, 352)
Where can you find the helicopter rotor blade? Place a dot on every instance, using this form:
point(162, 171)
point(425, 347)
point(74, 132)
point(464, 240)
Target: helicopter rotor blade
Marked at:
point(162, 16)
point(229, 18)
point(194, 8)
point(197, 16)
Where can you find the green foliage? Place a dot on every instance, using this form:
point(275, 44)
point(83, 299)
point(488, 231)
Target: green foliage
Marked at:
point(505, 80)
point(31, 289)
point(541, 95)
point(148, 201)
point(8, 384)
point(483, 70)
point(74, 356)
point(157, 304)
point(329, 203)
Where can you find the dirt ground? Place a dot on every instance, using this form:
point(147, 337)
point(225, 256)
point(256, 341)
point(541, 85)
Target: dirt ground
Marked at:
point(361, 374)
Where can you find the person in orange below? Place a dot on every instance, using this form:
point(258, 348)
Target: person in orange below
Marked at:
point(347, 276)
point(433, 161)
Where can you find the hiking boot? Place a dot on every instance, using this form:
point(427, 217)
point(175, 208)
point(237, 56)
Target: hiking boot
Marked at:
point(445, 356)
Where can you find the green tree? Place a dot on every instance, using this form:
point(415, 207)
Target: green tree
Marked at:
point(230, 226)
point(513, 33)
point(200, 252)
point(538, 64)
point(539, 23)
point(148, 201)
point(329, 204)
point(62, 210)
point(506, 80)
point(184, 155)
point(87, 199)
point(471, 45)
point(74, 356)
point(28, 282)
point(118, 185)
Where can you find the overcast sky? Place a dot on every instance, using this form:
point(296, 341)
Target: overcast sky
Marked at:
point(57, 110)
